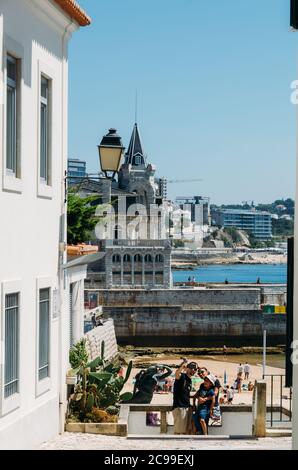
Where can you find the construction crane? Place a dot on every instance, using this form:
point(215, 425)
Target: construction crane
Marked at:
point(183, 181)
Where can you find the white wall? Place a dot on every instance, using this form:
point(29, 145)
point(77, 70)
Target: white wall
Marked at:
point(233, 424)
point(30, 217)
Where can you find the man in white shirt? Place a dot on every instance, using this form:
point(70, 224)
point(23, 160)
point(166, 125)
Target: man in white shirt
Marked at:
point(246, 371)
point(240, 370)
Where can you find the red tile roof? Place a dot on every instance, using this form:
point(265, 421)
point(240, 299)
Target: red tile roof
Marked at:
point(73, 9)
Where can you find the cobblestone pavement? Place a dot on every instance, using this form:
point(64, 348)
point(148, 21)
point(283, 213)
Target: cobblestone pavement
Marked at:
point(79, 441)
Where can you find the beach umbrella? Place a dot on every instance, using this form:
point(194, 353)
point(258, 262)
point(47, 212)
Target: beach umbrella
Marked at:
point(225, 377)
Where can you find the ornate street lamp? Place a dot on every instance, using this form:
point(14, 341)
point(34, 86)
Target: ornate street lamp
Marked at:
point(110, 153)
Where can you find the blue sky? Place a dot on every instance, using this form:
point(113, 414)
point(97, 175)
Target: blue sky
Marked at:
point(213, 81)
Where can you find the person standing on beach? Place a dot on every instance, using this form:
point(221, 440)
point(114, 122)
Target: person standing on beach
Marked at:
point(240, 370)
point(239, 383)
point(182, 409)
point(246, 371)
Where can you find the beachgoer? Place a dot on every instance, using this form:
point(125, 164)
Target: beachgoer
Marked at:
point(182, 410)
point(206, 402)
point(239, 383)
point(93, 319)
point(169, 384)
point(230, 394)
point(224, 350)
point(223, 399)
point(250, 386)
point(240, 370)
point(246, 371)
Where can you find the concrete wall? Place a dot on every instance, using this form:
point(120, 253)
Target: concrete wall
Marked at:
point(197, 299)
point(238, 423)
point(233, 424)
point(174, 326)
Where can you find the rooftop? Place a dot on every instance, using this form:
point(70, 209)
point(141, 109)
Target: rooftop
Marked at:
point(73, 9)
point(244, 211)
point(135, 148)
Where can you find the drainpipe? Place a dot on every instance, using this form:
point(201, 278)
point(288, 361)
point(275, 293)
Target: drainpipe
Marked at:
point(63, 228)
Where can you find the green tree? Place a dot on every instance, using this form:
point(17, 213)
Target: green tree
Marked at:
point(81, 218)
point(282, 227)
point(234, 234)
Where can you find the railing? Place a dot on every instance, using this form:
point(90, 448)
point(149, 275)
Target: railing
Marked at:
point(280, 399)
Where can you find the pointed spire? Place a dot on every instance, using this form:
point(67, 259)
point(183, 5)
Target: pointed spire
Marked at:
point(135, 154)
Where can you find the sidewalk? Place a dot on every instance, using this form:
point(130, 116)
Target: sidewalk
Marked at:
point(77, 441)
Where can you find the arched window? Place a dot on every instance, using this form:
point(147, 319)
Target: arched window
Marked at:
point(126, 259)
point(116, 259)
point(148, 258)
point(137, 258)
point(158, 258)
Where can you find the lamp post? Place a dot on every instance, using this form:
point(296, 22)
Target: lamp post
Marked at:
point(110, 153)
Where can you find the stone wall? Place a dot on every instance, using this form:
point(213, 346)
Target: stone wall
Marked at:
point(94, 338)
point(177, 326)
point(197, 299)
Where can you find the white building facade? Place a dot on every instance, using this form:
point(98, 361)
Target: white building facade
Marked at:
point(35, 313)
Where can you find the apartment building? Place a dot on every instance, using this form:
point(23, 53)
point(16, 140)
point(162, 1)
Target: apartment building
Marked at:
point(36, 306)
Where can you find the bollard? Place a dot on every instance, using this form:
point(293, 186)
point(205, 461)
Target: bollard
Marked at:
point(259, 421)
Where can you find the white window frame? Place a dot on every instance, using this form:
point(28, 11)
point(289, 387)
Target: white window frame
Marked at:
point(44, 187)
point(12, 403)
point(44, 385)
point(12, 181)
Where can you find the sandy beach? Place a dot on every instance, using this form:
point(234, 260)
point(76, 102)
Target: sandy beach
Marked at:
point(218, 368)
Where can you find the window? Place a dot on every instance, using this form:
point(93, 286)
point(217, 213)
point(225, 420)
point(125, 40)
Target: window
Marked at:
point(45, 130)
point(11, 115)
point(158, 258)
point(44, 334)
point(126, 258)
point(138, 258)
point(138, 159)
point(11, 345)
point(148, 259)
